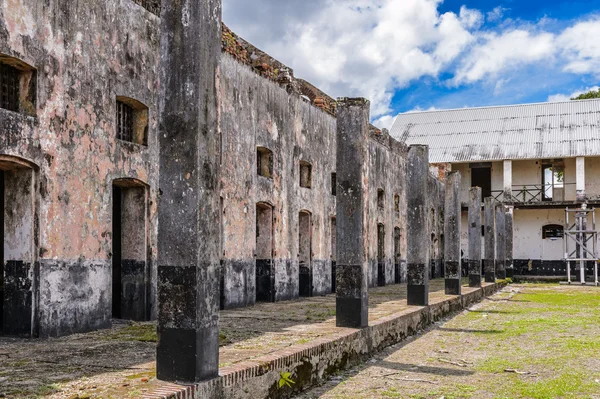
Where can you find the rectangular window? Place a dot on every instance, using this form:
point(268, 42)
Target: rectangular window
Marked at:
point(264, 162)
point(397, 203)
point(305, 174)
point(380, 198)
point(124, 122)
point(132, 119)
point(9, 87)
point(333, 184)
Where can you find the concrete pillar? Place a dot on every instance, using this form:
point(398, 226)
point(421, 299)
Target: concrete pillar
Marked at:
point(489, 256)
point(509, 238)
point(188, 236)
point(475, 237)
point(452, 229)
point(500, 241)
point(580, 178)
point(416, 225)
point(507, 180)
point(352, 213)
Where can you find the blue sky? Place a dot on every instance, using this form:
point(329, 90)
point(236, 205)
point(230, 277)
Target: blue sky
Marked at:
point(407, 55)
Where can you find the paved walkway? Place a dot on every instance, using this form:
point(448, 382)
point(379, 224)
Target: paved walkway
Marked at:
point(119, 362)
point(528, 341)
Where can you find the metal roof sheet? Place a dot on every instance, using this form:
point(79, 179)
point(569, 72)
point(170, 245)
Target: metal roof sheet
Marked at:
point(526, 131)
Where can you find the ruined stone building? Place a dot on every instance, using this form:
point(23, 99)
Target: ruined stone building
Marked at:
point(537, 158)
point(79, 181)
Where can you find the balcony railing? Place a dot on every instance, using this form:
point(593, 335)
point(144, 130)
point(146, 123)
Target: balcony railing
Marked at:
point(534, 193)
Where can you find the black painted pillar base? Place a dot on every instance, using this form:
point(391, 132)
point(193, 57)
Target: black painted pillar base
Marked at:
point(417, 295)
point(489, 270)
point(185, 351)
point(351, 301)
point(188, 346)
point(452, 286)
point(500, 273)
point(474, 273)
point(475, 280)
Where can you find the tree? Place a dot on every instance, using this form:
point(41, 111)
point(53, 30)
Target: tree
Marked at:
point(588, 95)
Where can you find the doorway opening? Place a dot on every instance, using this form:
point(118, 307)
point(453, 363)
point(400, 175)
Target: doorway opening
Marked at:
point(482, 177)
point(333, 252)
point(397, 256)
point(305, 254)
point(18, 276)
point(380, 254)
point(265, 276)
point(130, 279)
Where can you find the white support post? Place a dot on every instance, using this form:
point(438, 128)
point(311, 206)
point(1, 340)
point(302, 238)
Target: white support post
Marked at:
point(507, 180)
point(580, 178)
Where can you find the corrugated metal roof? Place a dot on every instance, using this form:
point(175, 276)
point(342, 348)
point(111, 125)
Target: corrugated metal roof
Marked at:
point(527, 131)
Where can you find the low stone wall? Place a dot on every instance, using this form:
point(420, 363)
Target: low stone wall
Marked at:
point(314, 362)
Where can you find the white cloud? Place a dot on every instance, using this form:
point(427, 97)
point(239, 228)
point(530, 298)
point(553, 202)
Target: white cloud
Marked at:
point(370, 48)
point(496, 14)
point(385, 122)
point(581, 47)
point(566, 97)
point(498, 52)
point(373, 48)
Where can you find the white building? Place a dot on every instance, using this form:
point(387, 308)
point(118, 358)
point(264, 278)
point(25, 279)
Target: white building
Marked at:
point(540, 158)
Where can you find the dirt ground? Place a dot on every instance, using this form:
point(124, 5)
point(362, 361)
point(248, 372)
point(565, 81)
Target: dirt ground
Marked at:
point(119, 363)
point(528, 341)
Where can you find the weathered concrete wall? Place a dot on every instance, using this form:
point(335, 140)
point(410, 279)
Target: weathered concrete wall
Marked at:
point(256, 111)
point(84, 54)
point(387, 172)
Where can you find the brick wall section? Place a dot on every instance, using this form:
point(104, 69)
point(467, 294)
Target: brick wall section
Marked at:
point(316, 361)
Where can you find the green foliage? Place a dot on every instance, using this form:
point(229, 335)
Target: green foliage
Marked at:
point(586, 96)
point(285, 379)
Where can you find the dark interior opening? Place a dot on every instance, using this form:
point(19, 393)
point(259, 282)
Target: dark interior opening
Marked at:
point(380, 255)
point(2, 251)
point(482, 177)
point(397, 256)
point(130, 281)
point(333, 252)
point(265, 276)
point(304, 254)
point(116, 250)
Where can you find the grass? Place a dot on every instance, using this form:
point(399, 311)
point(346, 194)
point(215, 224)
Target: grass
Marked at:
point(549, 333)
point(144, 332)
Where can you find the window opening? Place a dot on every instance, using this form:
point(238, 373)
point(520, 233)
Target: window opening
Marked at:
point(380, 198)
point(552, 231)
point(264, 162)
point(305, 174)
point(333, 184)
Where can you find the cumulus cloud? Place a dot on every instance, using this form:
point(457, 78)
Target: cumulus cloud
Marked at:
point(554, 98)
point(372, 48)
point(498, 52)
point(369, 47)
point(581, 47)
point(496, 14)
